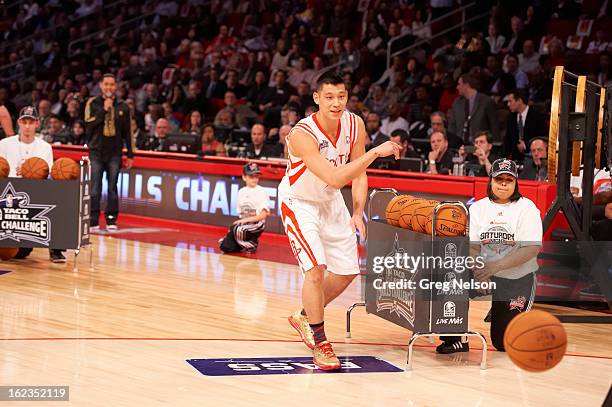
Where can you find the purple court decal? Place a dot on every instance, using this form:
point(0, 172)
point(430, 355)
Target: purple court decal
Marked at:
point(5, 272)
point(296, 365)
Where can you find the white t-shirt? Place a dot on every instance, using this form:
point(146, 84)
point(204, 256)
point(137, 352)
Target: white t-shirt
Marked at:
point(251, 201)
point(17, 152)
point(501, 229)
point(387, 127)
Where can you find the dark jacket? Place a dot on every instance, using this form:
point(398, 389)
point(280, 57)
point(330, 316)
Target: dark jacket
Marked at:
point(483, 117)
point(267, 150)
point(103, 146)
point(535, 126)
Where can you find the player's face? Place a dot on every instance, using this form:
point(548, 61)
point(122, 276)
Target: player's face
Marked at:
point(28, 126)
point(251, 181)
point(503, 186)
point(331, 100)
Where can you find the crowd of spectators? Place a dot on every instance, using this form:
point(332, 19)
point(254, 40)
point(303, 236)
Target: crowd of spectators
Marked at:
point(244, 70)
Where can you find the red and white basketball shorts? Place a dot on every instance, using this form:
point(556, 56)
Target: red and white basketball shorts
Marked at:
point(321, 234)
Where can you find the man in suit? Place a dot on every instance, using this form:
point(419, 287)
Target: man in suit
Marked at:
point(523, 124)
point(258, 147)
point(376, 137)
point(472, 112)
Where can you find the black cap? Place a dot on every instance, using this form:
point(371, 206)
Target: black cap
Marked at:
point(504, 166)
point(28, 111)
point(251, 169)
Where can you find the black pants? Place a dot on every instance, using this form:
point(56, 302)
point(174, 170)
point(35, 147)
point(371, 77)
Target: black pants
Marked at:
point(112, 167)
point(242, 237)
point(510, 298)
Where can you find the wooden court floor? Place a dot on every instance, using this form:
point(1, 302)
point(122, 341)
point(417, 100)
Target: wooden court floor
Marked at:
point(120, 336)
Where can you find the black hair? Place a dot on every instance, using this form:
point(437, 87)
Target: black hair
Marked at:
point(519, 94)
point(486, 134)
point(108, 75)
point(329, 78)
point(516, 195)
point(402, 134)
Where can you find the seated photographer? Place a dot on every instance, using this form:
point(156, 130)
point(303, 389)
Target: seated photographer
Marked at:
point(258, 147)
point(155, 141)
point(440, 157)
point(402, 138)
point(536, 167)
point(210, 145)
point(479, 154)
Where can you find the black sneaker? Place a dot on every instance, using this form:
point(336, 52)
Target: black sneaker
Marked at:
point(592, 291)
point(57, 256)
point(23, 253)
point(111, 223)
point(454, 346)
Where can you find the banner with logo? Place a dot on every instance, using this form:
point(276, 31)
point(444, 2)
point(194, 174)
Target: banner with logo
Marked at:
point(415, 283)
point(209, 199)
point(44, 213)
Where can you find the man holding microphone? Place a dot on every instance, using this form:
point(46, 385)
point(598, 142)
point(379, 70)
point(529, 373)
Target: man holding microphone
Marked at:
point(107, 122)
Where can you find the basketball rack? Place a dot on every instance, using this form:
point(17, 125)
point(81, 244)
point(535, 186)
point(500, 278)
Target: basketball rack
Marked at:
point(421, 314)
point(84, 213)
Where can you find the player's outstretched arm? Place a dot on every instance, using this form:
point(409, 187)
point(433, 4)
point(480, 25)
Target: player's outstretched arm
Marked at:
point(5, 121)
point(302, 145)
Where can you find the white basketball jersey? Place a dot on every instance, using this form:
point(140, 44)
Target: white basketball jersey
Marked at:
point(299, 182)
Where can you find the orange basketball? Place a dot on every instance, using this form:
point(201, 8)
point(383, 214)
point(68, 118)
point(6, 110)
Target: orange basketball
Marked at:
point(394, 208)
point(35, 168)
point(5, 168)
point(7, 253)
point(422, 215)
point(65, 169)
point(451, 221)
point(407, 212)
point(535, 341)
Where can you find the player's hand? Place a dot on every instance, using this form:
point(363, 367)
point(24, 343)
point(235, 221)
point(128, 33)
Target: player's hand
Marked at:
point(239, 221)
point(128, 163)
point(485, 273)
point(18, 171)
point(521, 146)
point(358, 225)
point(388, 148)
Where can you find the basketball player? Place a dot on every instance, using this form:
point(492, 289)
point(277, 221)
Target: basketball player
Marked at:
point(317, 222)
point(17, 149)
point(506, 230)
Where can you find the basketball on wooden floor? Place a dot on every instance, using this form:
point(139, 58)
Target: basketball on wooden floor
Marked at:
point(407, 212)
point(422, 215)
point(65, 169)
point(535, 341)
point(7, 253)
point(35, 168)
point(5, 168)
point(394, 208)
point(451, 221)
